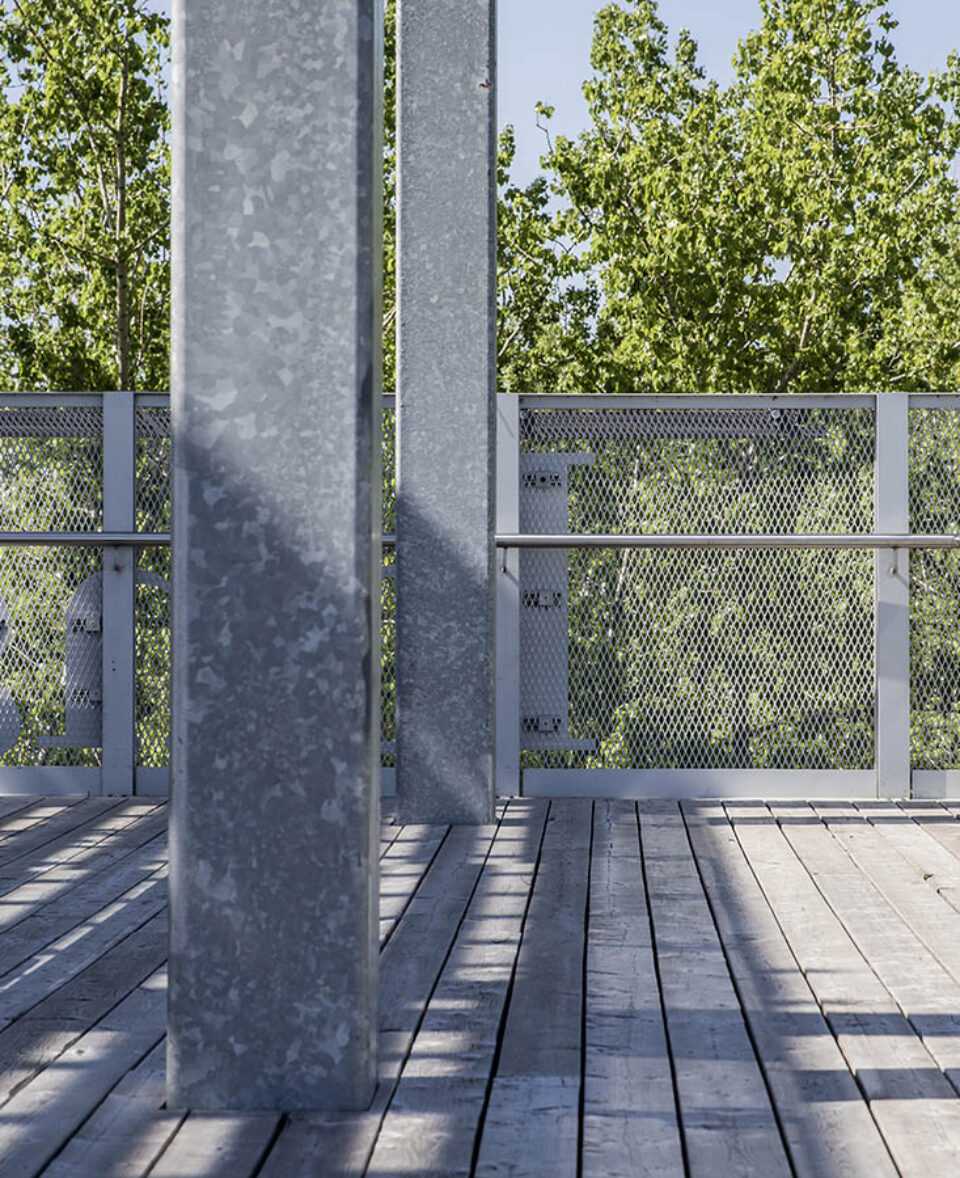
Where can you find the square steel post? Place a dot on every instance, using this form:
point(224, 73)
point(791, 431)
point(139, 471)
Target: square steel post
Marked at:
point(119, 596)
point(446, 425)
point(892, 503)
point(508, 597)
point(276, 423)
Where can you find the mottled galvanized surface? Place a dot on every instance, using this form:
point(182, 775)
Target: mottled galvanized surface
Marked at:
point(446, 415)
point(276, 746)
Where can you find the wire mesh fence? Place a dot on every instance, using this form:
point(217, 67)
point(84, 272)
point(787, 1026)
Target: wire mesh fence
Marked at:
point(732, 659)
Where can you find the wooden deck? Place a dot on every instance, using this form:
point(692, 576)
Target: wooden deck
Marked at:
point(593, 989)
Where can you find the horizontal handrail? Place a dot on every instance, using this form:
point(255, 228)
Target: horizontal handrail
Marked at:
point(528, 540)
point(85, 539)
point(726, 542)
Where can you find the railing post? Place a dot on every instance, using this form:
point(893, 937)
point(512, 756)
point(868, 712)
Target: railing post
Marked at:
point(119, 581)
point(892, 597)
point(508, 598)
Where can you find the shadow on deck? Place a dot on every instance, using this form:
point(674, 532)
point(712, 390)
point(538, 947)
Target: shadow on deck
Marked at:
point(583, 988)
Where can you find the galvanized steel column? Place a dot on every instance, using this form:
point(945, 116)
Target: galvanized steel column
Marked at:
point(446, 409)
point(276, 250)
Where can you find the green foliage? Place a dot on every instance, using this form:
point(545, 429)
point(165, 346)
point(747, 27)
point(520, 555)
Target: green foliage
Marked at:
point(84, 195)
point(794, 231)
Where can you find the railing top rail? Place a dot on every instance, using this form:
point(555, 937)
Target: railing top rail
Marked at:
point(745, 540)
point(84, 539)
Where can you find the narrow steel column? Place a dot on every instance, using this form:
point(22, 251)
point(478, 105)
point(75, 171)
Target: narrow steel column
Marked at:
point(119, 595)
point(276, 323)
point(446, 410)
point(892, 491)
point(508, 597)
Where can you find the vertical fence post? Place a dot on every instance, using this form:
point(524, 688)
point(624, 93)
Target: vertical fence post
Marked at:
point(508, 598)
point(892, 578)
point(119, 575)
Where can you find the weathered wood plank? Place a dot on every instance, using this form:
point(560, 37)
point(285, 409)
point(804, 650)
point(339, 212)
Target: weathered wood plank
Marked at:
point(16, 805)
point(70, 907)
point(728, 1123)
point(126, 1134)
point(35, 811)
point(911, 1100)
point(35, 1040)
point(827, 1125)
point(217, 1145)
point(630, 1127)
point(904, 884)
point(338, 1145)
point(69, 822)
point(926, 993)
point(70, 882)
point(39, 1120)
point(413, 957)
point(926, 835)
point(76, 847)
point(531, 1126)
point(401, 870)
point(432, 1120)
point(45, 971)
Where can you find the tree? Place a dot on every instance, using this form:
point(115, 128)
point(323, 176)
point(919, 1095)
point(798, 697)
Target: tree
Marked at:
point(84, 195)
point(764, 237)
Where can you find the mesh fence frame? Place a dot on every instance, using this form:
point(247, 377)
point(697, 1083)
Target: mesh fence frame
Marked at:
point(934, 464)
point(51, 661)
point(696, 659)
point(51, 468)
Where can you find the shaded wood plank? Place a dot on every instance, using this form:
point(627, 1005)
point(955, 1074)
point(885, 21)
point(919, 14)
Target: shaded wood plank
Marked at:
point(69, 907)
point(79, 877)
point(827, 1124)
point(911, 1100)
point(43, 972)
point(15, 850)
point(630, 1127)
point(413, 957)
point(39, 1120)
point(401, 870)
point(217, 1145)
point(126, 1134)
point(338, 1145)
point(532, 1120)
point(431, 1124)
point(11, 805)
point(728, 1122)
point(36, 810)
point(77, 847)
point(35, 1040)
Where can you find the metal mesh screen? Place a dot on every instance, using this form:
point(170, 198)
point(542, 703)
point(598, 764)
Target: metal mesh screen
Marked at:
point(153, 469)
point(51, 671)
point(388, 597)
point(935, 590)
point(152, 638)
point(51, 468)
point(685, 658)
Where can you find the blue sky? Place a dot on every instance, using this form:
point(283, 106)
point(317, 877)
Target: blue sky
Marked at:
point(545, 48)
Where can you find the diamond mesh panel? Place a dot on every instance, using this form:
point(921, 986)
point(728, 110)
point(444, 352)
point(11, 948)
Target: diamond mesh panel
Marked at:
point(711, 470)
point(50, 656)
point(152, 637)
point(51, 469)
point(697, 659)
point(935, 591)
point(153, 469)
point(388, 599)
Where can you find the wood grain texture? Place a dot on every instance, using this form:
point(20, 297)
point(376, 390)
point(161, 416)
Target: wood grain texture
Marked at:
point(911, 1100)
point(532, 1121)
point(630, 1125)
point(828, 1127)
point(728, 1122)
